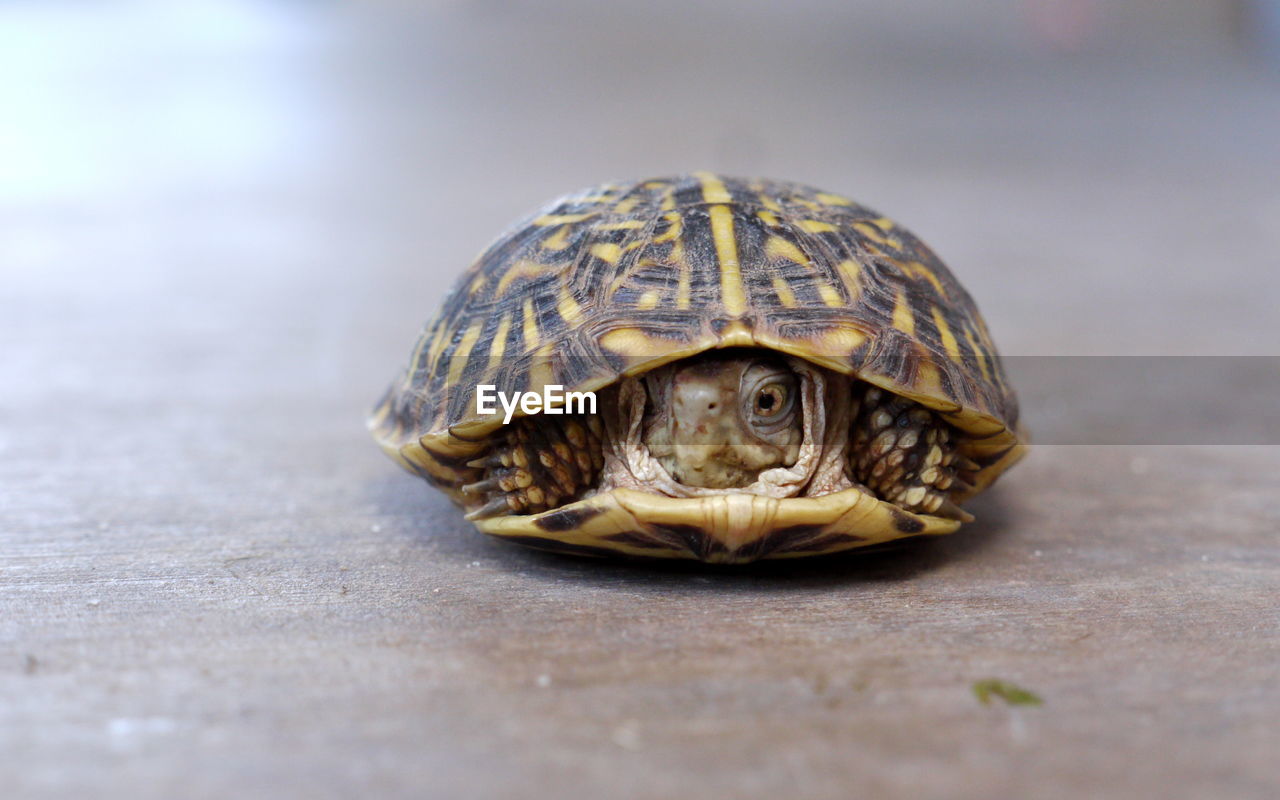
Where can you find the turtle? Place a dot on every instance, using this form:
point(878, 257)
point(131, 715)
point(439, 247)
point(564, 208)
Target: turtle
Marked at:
point(772, 370)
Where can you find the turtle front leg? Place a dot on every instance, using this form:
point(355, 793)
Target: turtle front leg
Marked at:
point(908, 455)
point(537, 463)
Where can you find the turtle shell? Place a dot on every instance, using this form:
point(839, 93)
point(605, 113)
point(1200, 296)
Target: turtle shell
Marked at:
point(622, 278)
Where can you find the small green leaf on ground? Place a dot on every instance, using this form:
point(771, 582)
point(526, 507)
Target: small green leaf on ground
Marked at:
point(1011, 693)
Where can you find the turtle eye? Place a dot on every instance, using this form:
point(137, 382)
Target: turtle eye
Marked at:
point(768, 395)
point(771, 400)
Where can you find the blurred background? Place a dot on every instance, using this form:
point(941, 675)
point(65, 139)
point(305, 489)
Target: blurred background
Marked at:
point(223, 223)
point(1114, 155)
point(196, 187)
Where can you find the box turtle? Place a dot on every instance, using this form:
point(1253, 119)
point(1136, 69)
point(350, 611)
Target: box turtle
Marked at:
point(777, 372)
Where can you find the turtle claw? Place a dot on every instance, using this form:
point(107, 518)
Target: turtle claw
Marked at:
point(494, 508)
point(950, 510)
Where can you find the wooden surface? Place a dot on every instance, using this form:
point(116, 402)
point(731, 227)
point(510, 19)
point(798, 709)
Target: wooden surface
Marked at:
point(218, 242)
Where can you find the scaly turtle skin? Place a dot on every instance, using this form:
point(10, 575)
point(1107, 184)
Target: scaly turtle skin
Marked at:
point(643, 291)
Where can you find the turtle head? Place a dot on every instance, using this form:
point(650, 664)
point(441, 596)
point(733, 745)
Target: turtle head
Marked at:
point(723, 419)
